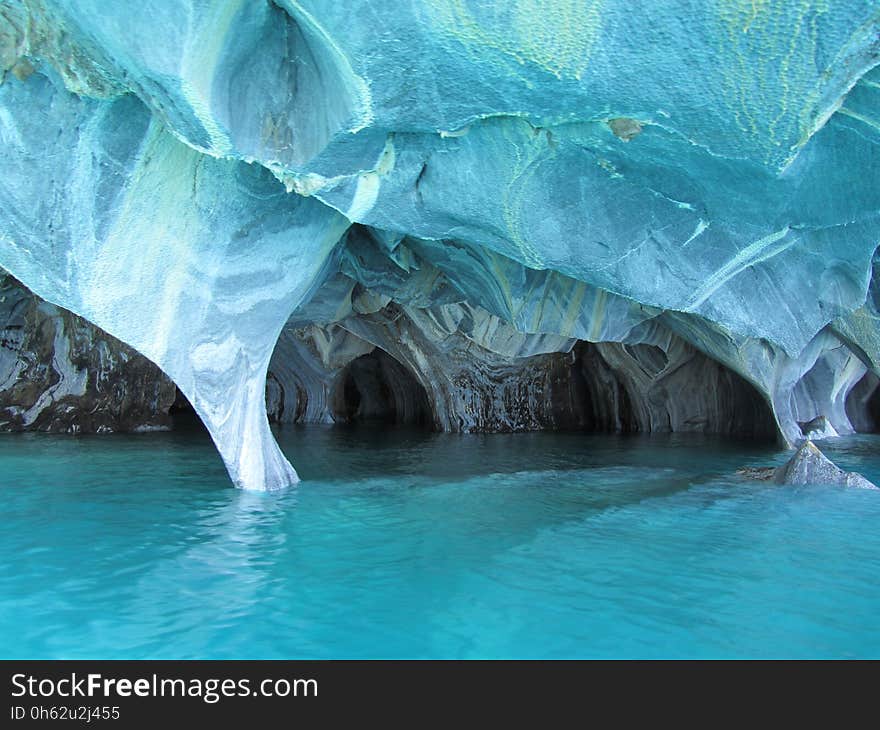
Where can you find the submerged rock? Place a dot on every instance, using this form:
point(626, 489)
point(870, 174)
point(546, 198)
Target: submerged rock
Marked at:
point(811, 466)
point(759, 473)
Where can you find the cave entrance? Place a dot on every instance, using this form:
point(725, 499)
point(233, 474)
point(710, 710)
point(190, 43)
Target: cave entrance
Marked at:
point(375, 388)
point(183, 415)
point(625, 388)
point(863, 404)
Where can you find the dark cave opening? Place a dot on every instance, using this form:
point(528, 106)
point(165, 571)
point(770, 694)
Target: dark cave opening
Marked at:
point(604, 387)
point(183, 415)
point(623, 388)
point(863, 404)
point(376, 388)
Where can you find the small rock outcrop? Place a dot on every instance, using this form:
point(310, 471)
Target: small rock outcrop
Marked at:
point(811, 466)
point(818, 428)
point(759, 473)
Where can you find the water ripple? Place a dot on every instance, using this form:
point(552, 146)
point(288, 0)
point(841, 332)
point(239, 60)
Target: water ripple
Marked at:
point(412, 545)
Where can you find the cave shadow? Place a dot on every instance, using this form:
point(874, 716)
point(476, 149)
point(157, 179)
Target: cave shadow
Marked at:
point(376, 390)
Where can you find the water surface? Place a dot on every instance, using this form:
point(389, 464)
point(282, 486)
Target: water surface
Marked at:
point(407, 544)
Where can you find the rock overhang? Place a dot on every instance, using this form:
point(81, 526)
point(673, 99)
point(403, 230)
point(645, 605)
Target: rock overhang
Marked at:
point(574, 169)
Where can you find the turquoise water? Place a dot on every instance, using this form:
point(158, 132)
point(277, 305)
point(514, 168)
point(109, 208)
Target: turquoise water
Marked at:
point(402, 544)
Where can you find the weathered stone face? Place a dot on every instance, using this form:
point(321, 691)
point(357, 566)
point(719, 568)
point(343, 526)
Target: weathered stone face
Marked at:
point(195, 178)
point(58, 373)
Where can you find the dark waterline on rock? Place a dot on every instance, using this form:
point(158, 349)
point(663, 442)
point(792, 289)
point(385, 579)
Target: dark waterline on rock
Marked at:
point(402, 543)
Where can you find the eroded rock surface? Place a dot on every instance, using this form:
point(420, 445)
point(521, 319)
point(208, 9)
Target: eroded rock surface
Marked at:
point(482, 191)
point(59, 373)
point(811, 466)
point(818, 428)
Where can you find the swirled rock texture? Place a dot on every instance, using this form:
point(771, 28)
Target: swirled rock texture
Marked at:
point(58, 373)
point(477, 189)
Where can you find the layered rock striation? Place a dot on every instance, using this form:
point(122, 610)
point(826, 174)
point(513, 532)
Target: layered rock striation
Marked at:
point(479, 216)
point(60, 374)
